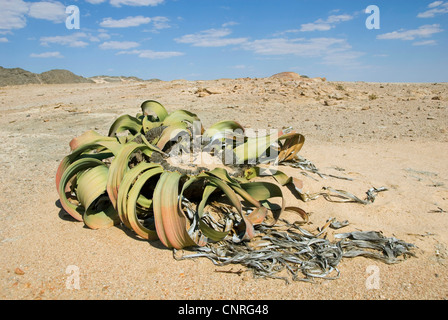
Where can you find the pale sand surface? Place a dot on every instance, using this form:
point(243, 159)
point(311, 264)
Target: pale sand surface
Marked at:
point(397, 139)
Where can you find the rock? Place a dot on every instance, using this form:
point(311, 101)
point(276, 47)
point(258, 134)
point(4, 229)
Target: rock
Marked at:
point(203, 92)
point(318, 80)
point(213, 90)
point(287, 76)
point(336, 96)
point(19, 271)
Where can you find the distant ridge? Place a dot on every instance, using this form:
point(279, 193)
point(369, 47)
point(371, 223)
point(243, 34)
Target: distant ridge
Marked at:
point(110, 79)
point(18, 76)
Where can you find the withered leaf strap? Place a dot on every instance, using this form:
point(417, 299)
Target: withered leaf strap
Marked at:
point(287, 249)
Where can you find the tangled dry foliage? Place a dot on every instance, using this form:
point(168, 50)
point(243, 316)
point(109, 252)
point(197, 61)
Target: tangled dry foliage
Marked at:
point(166, 177)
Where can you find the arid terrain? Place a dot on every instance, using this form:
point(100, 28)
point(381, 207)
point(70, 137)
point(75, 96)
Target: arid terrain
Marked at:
point(379, 134)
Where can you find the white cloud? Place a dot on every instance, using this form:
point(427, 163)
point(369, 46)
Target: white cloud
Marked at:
point(12, 14)
point(124, 23)
point(315, 27)
point(435, 4)
point(159, 54)
point(3, 39)
point(299, 46)
point(343, 58)
point(160, 23)
point(425, 43)
point(422, 32)
point(119, 45)
point(72, 40)
point(104, 36)
point(210, 38)
point(325, 25)
point(94, 39)
point(136, 3)
point(229, 24)
point(95, 1)
point(329, 51)
point(435, 8)
point(76, 40)
point(339, 18)
point(54, 54)
point(52, 11)
point(320, 24)
point(150, 54)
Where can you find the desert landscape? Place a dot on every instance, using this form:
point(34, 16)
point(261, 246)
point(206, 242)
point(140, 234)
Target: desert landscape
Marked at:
point(392, 135)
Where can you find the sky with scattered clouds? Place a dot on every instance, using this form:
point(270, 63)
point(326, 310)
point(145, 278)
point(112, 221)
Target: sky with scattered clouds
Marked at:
point(211, 39)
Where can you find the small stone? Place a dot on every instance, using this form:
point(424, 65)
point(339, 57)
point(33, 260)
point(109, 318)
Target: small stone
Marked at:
point(203, 94)
point(19, 272)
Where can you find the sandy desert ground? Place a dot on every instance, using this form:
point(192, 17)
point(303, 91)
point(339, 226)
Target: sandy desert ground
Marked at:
point(379, 134)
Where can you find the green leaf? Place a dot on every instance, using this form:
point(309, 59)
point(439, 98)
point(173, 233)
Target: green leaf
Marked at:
point(87, 142)
point(211, 233)
point(151, 106)
point(234, 184)
point(253, 148)
point(263, 191)
point(171, 224)
point(180, 116)
point(63, 189)
point(280, 177)
point(170, 133)
point(131, 204)
point(101, 219)
point(91, 184)
point(119, 166)
point(148, 124)
point(125, 122)
point(126, 184)
point(222, 128)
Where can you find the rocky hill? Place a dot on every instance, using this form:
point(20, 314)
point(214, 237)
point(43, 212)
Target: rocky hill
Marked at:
point(18, 76)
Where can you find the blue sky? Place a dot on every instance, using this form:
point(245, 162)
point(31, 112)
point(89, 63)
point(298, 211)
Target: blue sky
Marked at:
point(211, 39)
